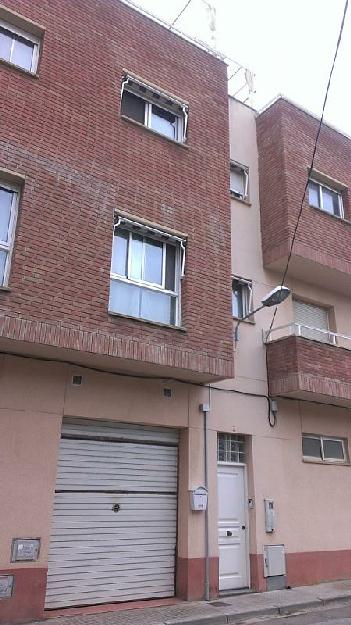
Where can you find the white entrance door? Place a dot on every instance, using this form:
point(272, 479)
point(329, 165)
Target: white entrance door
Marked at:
point(233, 568)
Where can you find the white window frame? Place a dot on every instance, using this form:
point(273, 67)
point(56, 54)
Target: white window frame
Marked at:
point(130, 84)
point(29, 37)
point(245, 171)
point(337, 192)
point(325, 459)
point(151, 233)
point(7, 246)
point(247, 284)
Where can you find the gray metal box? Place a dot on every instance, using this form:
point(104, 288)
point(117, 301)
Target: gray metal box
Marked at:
point(274, 560)
point(6, 586)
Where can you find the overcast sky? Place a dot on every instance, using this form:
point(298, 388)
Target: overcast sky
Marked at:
point(289, 45)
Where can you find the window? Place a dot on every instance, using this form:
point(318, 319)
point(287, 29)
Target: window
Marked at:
point(241, 297)
point(18, 47)
point(325, 198)
point(155, 110)
point(324, 448)
point(230, 448)
point(8, 215)
point(312, 321)
point(239, 181)
point(145, 273)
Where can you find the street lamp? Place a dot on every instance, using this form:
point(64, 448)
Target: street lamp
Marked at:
point(275, 297)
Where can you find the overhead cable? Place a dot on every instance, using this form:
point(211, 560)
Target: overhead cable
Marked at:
point(313, 157)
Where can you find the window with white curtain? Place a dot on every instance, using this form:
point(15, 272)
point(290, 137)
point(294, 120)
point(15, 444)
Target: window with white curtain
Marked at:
point(19, 47)
point(145, 276)
point(239, 181)
point(8, 216)
point(326, 198)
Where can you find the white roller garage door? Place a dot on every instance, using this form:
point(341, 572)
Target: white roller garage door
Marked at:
point(115, 514)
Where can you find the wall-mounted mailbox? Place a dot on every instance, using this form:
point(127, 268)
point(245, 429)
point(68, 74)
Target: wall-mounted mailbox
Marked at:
point(6, 586)
point(25, 549)
point(198, 498)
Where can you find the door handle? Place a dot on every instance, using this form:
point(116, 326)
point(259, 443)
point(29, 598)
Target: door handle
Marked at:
point(229, 533)
point(243, 527)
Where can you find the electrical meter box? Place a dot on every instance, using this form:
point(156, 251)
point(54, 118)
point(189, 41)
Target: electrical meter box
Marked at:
point(198, 498)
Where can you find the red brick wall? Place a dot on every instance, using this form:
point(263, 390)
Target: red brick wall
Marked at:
point(63, 131)
point(299, 364)
point(286, 136)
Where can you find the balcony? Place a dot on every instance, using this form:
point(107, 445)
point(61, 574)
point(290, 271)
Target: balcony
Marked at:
point(309, 363)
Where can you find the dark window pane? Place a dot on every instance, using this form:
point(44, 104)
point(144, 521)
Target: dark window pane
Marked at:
point(133, 107)
point(313, 194)
point(333, 449)
point(311, 447)
point(5, 44)
point(120, 253)
point(163, 122)
point(153, 261)
point(22, 54)
point(170, 267)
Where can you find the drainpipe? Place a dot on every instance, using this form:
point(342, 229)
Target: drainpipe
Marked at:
point(205, 408)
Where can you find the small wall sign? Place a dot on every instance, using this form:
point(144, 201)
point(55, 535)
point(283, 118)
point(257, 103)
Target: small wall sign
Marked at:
point(6, 586)
point(25, 549)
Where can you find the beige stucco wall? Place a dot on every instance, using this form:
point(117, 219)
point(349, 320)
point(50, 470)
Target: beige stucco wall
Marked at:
point(310, 499)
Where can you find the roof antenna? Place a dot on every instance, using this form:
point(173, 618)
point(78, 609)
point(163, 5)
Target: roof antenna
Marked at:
point(212, 23)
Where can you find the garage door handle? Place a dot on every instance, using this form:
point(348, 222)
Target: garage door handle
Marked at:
point(229, 533)
point(243, 527)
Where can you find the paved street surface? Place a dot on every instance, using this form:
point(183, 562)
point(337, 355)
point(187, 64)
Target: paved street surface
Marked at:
point(340, 615)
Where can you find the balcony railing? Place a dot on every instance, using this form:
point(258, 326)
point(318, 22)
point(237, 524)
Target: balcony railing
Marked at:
point(308, 332)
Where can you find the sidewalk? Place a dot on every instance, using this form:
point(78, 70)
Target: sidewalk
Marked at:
point(222, 611)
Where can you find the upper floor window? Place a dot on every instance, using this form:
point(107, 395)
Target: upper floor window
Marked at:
point(239, 181)
point(325, 198)
point(312, 321)
point(8, 216)
point(154, 109)
point(241, 297)
point(324, 448)
point(19, 47)
point(146, 268)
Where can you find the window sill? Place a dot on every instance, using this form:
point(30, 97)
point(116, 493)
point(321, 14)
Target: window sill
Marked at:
point(154, 132)
point(248, 320)
point(239, 199)
point(334, 463)
point(148, 321)
point(17, 68)
point(320, 210)
point(5, 288)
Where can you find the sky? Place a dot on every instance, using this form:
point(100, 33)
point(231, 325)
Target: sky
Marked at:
point(288, 45)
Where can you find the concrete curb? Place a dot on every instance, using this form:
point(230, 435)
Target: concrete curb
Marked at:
point(295, 607)
point(339, 599)
point(211, 619)
point(237, 617)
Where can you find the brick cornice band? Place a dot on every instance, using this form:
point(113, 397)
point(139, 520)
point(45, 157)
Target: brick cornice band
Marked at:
point(56, 335)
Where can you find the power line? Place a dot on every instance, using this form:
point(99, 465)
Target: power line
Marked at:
point(313, 157)
point(180, 13)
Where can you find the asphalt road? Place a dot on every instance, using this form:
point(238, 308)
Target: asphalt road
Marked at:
point(340, 615)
